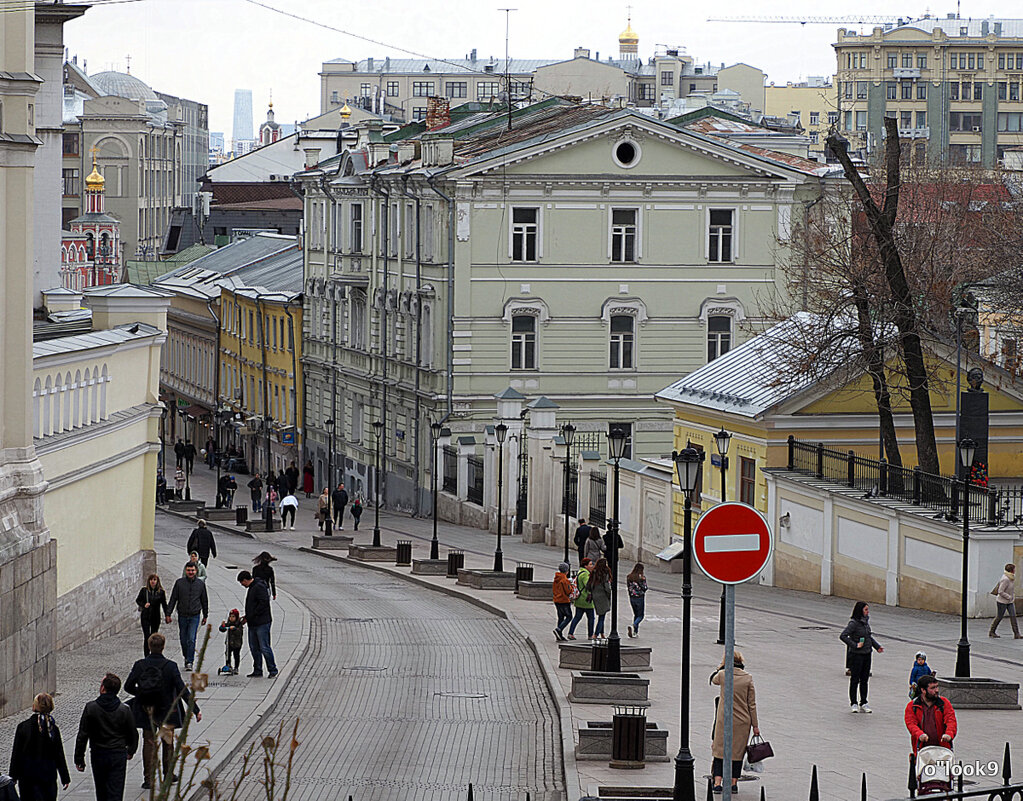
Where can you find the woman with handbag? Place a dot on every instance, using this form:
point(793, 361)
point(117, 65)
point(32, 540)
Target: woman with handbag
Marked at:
point(744, 718)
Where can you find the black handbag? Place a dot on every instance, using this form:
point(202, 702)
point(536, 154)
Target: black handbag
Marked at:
point(758, 749)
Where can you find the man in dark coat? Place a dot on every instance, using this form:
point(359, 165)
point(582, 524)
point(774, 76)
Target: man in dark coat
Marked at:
point(179, 452)
point(225, 491)
point(189, 456)
point(255, 486)
point(582, 533)
point(292, 475)
point(190, 598)
point(203, 543)
point(158, 706)
point(338, 501)
point(108, 726)
point(613, 554)
point(258, 619)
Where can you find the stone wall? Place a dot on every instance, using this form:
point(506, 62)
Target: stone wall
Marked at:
point(104, 605)
point(28, 595)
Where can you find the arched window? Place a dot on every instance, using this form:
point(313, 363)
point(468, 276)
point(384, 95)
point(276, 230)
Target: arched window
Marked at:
point(622, 342)
point(66, 391)
point(523, 342)
point(37, 418)
point(104, 379)
point(719, 336)
point(47, 421)
point(76, 421)
point(86, 406)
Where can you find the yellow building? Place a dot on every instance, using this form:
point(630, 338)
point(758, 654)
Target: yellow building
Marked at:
point(815, 102)
point(260, 361)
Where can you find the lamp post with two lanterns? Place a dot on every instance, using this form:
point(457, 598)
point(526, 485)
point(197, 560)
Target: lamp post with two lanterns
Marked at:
point(967, 450)
point(722, 439)
point(378, 428)
point(616, 439)
point(501, 431)
point(567, 434)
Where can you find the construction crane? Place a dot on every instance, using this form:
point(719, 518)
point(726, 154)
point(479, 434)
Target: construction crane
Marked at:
point(864, 20)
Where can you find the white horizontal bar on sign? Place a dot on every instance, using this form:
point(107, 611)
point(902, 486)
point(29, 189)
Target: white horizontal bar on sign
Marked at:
point(722, 543)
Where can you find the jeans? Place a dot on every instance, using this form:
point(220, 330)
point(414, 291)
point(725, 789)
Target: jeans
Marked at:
point(564, 615)
point(357, 518)
point(188, 626)
point(579, 612)
point(109, 766)
point(1004, 609)
point(150, 625)
point(859, 665)
point(257, 503)
point(339, 517)
point(287, 511)
point(638, 610)
point(599, 630)
point(259, 645)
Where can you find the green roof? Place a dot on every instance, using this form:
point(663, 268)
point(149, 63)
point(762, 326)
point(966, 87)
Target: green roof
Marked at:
point(144, 273)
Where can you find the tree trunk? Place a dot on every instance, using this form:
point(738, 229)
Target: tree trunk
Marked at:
point(875, 368)
point(881, 223)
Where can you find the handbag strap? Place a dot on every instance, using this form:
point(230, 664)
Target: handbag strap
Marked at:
point(755, 739)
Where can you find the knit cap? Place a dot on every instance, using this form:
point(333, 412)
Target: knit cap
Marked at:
point(564, 567)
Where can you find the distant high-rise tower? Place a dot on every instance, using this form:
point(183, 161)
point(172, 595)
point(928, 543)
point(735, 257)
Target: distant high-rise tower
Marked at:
point(242, 115)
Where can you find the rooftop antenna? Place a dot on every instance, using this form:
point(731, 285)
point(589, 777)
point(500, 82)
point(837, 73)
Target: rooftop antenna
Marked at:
point(507, 73)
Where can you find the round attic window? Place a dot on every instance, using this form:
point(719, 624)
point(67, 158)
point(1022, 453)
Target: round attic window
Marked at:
point(626, 154)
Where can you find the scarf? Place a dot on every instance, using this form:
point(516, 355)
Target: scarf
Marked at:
point(46, 725)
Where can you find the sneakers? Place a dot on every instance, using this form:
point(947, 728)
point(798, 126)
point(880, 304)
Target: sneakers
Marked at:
point(630, 632)
point(254, 675)
point(996, 636)
point(272, 674)
point(234, 671)
point(558, 635)
point(571, 636)
point(866, 710)
point(188, 665)
point(292, 528)
point(854, 709)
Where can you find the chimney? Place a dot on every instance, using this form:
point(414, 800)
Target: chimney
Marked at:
point(369, 64)
point(472, 55)
point(582, 52)
point(438, 113)
point(312, 157)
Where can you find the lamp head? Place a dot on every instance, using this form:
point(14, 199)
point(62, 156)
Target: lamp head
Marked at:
point(378, 427)
point(616, 439)
point(687, 464)
point(722, 439)
point(568, 432)
point(435, 428)
point(967, 450)
point(502, 432)
point(329, 424)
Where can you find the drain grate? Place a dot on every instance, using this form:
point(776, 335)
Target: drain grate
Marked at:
point(363, 667)
point(814, 628)
point(462, 695)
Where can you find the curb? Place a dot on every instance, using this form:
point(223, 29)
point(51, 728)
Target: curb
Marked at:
point(570, 772)
point(209, 523)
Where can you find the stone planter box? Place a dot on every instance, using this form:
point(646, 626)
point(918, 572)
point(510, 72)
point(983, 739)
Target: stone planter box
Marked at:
point(979, 693)
point(430, 567)
point(259, 524)
point(576, 656)
point(591, 687)
point(595, 742)
point(335, 542)
point(219, 515)
point(373, 553)
point(486, 579)
point(536, 591)
point(188, 507)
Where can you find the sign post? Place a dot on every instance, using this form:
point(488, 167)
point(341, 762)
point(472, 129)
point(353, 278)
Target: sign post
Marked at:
point(731, 545)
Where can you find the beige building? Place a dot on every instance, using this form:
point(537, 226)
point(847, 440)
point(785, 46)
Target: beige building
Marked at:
point(953, 84)
point(814, 103)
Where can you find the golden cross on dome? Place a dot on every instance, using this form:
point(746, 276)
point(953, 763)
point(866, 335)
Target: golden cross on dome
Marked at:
point(127, 58)
point(94, 150)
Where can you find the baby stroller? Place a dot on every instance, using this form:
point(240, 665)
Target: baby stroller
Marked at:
point(934, 770)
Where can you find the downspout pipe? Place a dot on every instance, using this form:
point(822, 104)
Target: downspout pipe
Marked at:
point(419, 341)
point(330, 436)
point(386, 195)
point(294, 380)
point(451, 297)
point(216, 394)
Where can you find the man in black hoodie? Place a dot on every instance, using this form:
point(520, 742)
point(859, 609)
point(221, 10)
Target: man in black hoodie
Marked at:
point(258, 619)
point(108, 726)
point(338, 501)
point(201, 541)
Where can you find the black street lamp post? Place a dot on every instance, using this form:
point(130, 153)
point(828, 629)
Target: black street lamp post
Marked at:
point(435, 428)
point(687, 464)
point(568, 434)
point(328, 525)
point(722, 440)
point(967, 449)
point(501, 430)
point(378, 427)
point(188, 473)
point(616, 439)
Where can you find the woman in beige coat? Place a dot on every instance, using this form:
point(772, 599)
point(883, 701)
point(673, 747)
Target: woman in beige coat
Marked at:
point(744, 718)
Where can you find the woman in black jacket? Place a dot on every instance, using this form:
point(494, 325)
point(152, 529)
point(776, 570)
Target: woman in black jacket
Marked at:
point(261, 569)
point(37, 760)
point(152, 604)
point(859, 642)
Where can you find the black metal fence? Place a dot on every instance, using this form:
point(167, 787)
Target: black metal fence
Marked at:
point(598, 499)
point(450, 475)
point(588, 441)
point(570, 499)
point(987, 506)
point(475, 488)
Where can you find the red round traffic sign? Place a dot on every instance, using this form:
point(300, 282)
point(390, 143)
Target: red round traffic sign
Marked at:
point(732, 543)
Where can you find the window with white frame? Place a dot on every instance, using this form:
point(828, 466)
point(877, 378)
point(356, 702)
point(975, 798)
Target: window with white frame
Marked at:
point(721, 230)
point(357, 334)
point(486, 90)
point(525, 231)
point(422, 88)
point(623, 234)
point(523, 342)
point(356, 228)
point(427, 229)
point(410, 229)
point(719, 336)
point(622, 341)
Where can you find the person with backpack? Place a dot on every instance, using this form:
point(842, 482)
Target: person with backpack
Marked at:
point(583, 602)
point(201, 540)
point(107, 728)
point(582, 533)
point(356, 512)
point(636, 583)
point(158, 706)
point(564, 590)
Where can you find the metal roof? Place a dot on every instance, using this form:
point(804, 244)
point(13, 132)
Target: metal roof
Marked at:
point(448, 66)
point(94, 339)
point(975, 28)
point(233, 257)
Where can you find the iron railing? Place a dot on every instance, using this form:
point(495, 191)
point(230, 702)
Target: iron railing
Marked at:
point(598, 499)
point(588, 441)
point(475, 488)
point(570, 498)
point(450, 474)
point(987, 506)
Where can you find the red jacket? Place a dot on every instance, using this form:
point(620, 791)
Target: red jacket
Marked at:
point(944, 717)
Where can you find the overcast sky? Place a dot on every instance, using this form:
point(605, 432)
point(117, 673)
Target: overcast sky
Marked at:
point(205, 49)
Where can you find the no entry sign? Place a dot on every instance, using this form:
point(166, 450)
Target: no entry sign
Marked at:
point(732, 543)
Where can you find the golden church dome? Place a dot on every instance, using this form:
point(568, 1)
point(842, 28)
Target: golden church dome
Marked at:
point(346, 112)
point(94, 180)
point(628, 36)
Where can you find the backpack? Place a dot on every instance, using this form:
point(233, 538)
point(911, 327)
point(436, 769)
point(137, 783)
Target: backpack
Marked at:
point(149, 687)
point(574, 592)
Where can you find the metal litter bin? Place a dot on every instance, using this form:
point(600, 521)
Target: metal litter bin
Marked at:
point(404, 553)
point(628, 737)
point(598, 654)
point(523, 572)
point(456, 561)
point(241, 515)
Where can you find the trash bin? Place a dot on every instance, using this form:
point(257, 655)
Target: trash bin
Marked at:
point(241, 515)
point(404, 553)
point(628, 737)
point(598, 654)
point(523, 572)
point(456, 561)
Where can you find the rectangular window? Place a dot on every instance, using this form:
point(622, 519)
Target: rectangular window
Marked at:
point(921, 62)
point(487, 90)
point(814, 137)
point(646, 91)
point(71, 181)
point(719, 336)
point(953, 91)
point(978, 90)
point(1014, 91)
point(623, 234)
point(747, 481)
point(525, 230)
point(1019, 61)
point(622, 333)
point(863, 61)
point(1009, 121)
point(905, 119)
point(392, 88)
point(1001, 61)
point(523, 345)
point(848, 120)
point(365, 90)
point(832, 117)
point(907, 59)
point(921, 91)
point(907, 90)
point(861, 90)
point(890, 91)
point(418, 113)
point(847, 90)
point(815, 118)
point(667, 78)
point(356, 228)
point(861, 120)
point(893, 61)
point(457, 89)
point(1003, 90)
point(70, 144)
point(953, 61)
point(720, 234)
point(970, 62)
point(422, 88)
point(410, 230)
point(966, 123)
point(921, 119)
